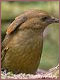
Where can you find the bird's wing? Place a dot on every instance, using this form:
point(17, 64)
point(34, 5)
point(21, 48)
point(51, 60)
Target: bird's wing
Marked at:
point(17, 22)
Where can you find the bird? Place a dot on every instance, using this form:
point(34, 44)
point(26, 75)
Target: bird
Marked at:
point(23, 43)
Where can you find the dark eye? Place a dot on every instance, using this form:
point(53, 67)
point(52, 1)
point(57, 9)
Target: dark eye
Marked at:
point(44, 18)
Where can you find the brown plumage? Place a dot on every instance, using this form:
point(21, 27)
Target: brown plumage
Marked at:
point(23, 43)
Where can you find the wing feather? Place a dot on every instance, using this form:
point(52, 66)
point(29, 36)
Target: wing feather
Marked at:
point(15, 24)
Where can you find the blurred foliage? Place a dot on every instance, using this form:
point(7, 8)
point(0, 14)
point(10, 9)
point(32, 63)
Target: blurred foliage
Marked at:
point(50, 54)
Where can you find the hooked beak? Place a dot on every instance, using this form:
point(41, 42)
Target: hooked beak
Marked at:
point(53, 20)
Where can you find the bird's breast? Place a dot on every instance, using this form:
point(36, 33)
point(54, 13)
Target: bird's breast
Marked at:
point(24, 51)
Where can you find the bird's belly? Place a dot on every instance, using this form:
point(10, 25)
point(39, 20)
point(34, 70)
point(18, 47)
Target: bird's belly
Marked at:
point(24, 56)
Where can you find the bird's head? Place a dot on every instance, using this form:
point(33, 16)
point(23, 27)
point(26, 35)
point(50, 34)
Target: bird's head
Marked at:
point(44, 19)
point(38, 19)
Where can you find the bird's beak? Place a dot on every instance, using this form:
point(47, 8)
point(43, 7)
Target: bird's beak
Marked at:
point(54, 20)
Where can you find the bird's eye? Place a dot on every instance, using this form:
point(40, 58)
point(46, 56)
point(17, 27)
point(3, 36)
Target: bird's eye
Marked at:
point(44, 18)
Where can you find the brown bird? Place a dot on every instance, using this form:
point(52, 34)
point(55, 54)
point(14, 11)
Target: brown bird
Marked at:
point(23, 43)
